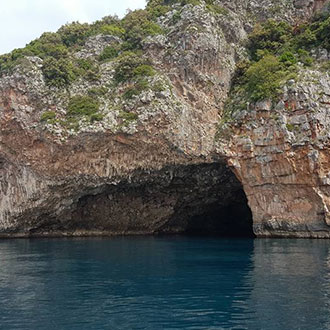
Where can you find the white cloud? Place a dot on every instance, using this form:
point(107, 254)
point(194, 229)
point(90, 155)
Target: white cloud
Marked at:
point(24, 20)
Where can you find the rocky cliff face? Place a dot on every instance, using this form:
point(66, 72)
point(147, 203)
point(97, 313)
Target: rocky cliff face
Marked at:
point(280, 153)
point(137, 152)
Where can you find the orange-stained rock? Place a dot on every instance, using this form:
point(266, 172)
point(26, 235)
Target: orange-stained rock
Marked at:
point(155, 163)
point(283, 161)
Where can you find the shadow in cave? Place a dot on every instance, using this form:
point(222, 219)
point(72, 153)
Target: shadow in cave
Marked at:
point(202, 199)
point(231, 220)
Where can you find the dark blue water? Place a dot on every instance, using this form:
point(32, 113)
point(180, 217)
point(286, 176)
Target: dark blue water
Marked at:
point(164, 283)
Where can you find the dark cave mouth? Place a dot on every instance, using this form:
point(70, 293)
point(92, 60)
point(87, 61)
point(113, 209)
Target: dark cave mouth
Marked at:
point(194, 200)
point(233, 220)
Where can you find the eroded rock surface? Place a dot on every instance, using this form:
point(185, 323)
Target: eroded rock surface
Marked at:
point(153, 163)
point(281, 155)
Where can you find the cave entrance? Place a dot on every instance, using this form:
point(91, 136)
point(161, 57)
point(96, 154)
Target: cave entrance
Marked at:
point(231, 220)
point(210, 201)
point(201, 199)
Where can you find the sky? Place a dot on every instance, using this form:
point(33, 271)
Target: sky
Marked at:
point(24, 20)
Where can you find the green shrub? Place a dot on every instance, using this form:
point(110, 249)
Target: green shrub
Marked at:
point(191, 2)
point(111, 30)
point(323, 33)
point(49, 44)
point(109, 52)
point(279, 37)
point(276, 49)
point(143, 70)
point(263, 78)
point(93, 76)
point(82, 105)
point(128, 116)
point(59, 46)
point(48, 115)
point(176, 17)
point(74, 33)
point(325, 66)
point(290, 127)
point(152, 3)
point(130, 93)
point(138, 25)
point(288, 58)
point(88, 69)
point(85, 64)
point(107, 20)
point(305, 38)
point(158, 11)
point(132, 67)
point(6, 63)
point(127, 62)
point(140, 86)
point(97, 91)
point(96, 117)
point(305, 57)
point(58, 73)
point(270, 36)
point(159, 86)
point(215, 8)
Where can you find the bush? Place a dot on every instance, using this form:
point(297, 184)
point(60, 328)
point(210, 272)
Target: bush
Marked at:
point(279, 37)
point(48, 115)
point(176, 17)
point(130, 93)
point(140, 86)
point(159, 86)
point(6, 63)
point(132, 67)
point(138, 26)
point(276, 49)
point(190, 2)
point(58, 73)
point(97, 91)
point(155, 11)
point(56, 48)
point(74, 34)
point(128, 116)
point(127, 63)
point(323, 33)
point(215, 8)
point(109, 52)
point(96, 117)
point(87, 69)
point(270, 36)
point(144, 70)
point(49, 44)
point(111, 30)
point(263, 78)
point(304, 57)
point(305, 38)
point(107, 25)
point(82, 106)
point(288, 58)
point(152, 3)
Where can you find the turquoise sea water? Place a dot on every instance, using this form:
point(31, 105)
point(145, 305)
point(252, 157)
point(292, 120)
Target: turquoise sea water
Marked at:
point(164, 283)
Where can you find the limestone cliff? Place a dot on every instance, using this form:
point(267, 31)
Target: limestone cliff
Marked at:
point(114, 128)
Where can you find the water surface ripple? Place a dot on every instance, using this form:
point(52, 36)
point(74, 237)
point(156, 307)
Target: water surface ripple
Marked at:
point(164, 283)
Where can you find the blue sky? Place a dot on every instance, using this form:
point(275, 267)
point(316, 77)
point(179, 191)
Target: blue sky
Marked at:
point(24, 20)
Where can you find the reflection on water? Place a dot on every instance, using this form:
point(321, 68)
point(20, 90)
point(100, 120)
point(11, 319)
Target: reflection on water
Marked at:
point(290, 284)
point(164, 283)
